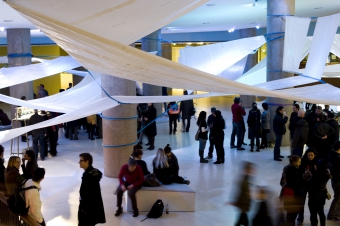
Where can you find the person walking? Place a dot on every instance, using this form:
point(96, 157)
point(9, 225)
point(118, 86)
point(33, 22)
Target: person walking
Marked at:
point(265, 118)
point(254, 125)
point(173, 112)
point(186, 109)
point(91, 208)
point(334, 166)
point(39, 135)
point(279, 127)
point(151, 127)
point(217, 131)
point(210, 122)
point(300, 136)
point(238, 113)
point(203, 135)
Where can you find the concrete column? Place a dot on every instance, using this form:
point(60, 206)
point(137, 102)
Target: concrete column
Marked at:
point(118, 132)
point(19, 42)
point(275, 54)
point(251, 62)
point(150, 43)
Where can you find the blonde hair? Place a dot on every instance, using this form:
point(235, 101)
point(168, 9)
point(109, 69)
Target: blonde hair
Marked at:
point(160, 161)
point(11, 162)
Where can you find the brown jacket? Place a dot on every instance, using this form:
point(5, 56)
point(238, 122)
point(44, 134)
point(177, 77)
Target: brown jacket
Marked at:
point(92, 119)
point(13, 179)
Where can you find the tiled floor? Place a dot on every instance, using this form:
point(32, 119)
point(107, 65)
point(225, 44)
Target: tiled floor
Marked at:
point(213, 184)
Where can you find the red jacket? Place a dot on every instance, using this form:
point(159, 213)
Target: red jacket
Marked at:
point(136, 177)
point(238, 112)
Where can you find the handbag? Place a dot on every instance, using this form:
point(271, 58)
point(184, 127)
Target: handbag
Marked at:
point(198, 133)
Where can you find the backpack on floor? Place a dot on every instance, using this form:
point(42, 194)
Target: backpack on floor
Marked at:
point(16, 200)
point(156, 210)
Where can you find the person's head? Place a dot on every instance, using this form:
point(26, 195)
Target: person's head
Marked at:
point(1, 151)
point(167, 150)
point(218, 114)
point(237, 100)
point(296, 108)
point(301, 113)
point(331, 115)
point(280, 110)
point(254, 104)
point(1, 111)
point(248, 167)
point(185, 92)
point(70, 84)
point(85, 160)
point(254, 108)
point(320, 117)
point(201, 117)
point(36, 111)
point(311, 154)
point(265, 106)
point(336, 146)
point(150, 104)
point(38, 175)
point(327, 107)
point(137, 151)
point(213, 110)
point(42, 86)
point(23, 98)
point(318, 110)
point(295, 160)
point(14, 161)
point(29, 155)
point(132, 164)
point(160, 161)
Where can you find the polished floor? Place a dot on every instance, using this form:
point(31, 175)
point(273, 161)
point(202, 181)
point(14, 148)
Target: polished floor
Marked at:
point(213, 184)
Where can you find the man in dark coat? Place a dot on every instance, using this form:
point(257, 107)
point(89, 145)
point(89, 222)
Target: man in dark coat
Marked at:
point(292, 123)
point(300, 134)
point(2, 171)
point(91, 208)
point(38, 135)
point(311, 119)
point(335, 125)
point(210, 123)
point(186, 108)
point(322, 133)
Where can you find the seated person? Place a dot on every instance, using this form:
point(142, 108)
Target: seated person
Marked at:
point(2, 170)
point(4, 118)
point(130, 178)
point(13, 179)
point(137, 156)
point(161, 167)
point(30, 166)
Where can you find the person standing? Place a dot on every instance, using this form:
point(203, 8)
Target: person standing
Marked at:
point(70, 85)
point(300, 136)
point(131, 179)
point(31, 165)
point(42, 91)
point(13, 179)
point(91, 125)
point(254, 124)
point(173, 112)
point(151, 127)
point(335, 125)
point(203, 135)
point(142, 108)
point(186, 108)
point(2, 171)
point(238, 113)
point(334, 166)
point(5, 121)
point(38, 135)
point(32, 196)
point(210, 122)
point(73, 129)
point(265, 118)
point(279, 127)
point(91, 208)
point(311, 119)
point(292, 124)
point(217, 133)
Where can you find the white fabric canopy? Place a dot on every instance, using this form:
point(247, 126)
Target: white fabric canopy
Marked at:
point(294, 42)
point(236, 70)
point(17, 75)
point(4, 60)
point(256, 75)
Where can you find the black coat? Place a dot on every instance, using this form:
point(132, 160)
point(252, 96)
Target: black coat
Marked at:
point(217, 130)
point(279, 124)
point(254, 119)
point(335, 125)
point(301, 132)
point(294, 179)
point(293, 120)
point(322, 146)
point(151, 115)
point(91, 202)
point(334, 165)
point(186, 107)
point(144, 167)
point(29, 169)
point(2, 177)
point(262, 217)
point(317, 187)
point(164, 175)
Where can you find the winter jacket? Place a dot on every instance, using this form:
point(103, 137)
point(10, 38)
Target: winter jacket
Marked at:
point(34, 120)
point(92, 119)
point(279, 124)
point(254, 119)
point(151, 115)
point(335, 125)
point(265, 118)
point(29, 169)
point(13, 179)
point(292, 123)
point(334, 165)
point(301, 132)
point(186, 107)
point(4, 119)
point(317, 186)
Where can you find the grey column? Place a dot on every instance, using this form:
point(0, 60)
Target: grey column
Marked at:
point(151, 43)
point(252, 60)
point(19, 42)
point(275, 54)
point(118, 132)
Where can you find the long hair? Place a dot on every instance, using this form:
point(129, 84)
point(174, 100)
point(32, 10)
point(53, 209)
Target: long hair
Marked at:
point(202, 116)
point(160, 161)
point(31, 154)
point(278, 109)
point(11, 162)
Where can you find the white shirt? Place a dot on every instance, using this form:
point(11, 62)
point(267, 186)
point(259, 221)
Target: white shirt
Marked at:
point(33, 201)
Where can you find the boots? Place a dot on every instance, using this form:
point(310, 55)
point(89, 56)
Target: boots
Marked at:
point(119, 211)
point(202, 160)
point(257, 149)
point(152, 143)
point(135, 213)
point(252, 148)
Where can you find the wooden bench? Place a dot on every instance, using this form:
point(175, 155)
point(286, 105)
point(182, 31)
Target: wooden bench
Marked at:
point(178, 197)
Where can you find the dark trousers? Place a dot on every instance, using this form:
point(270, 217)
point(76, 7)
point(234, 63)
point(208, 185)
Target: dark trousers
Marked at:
point(188, 124)
point(237, 131)
point(278, 142)
point(290, 218)
point(315, 210)
point(211, 146)
point(131, 194)
point(172, 120)
point(298, 151)
point(90, 130)
point(243, 220)
point(52, 141)
point(254, 135)
point(334, 210)
point(219, 148)
point(73, 132)
point(40, 138)
point(264, 141)
point(301, 217)
point(173, 179)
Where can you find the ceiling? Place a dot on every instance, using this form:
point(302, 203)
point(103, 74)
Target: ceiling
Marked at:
point(216, 15)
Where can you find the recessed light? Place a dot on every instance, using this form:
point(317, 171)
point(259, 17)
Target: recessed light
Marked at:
point(253, 23)
point(209, 5)
point(257, 27)
point(8, 21)
point(318, 8)
point(206, 23)
point(2, 28)
point(189, 43)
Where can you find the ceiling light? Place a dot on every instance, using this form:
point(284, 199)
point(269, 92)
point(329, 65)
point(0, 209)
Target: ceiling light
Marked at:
point(200, 43)
point(2, 28)
point(257, 27)
point(318, 8)
point(263, 50)
point(206, 23)
point(209, 5)
point(189, 43)
point(8, 21)
point(173, 44)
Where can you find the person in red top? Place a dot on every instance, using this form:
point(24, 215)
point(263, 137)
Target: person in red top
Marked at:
point(238, 113)
point(130, 178)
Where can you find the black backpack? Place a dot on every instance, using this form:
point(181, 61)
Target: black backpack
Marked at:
point(156, 210)
point(16, 200)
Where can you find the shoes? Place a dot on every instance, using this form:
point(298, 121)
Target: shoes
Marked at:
point(170, 132)
point(222, 161)
point(71, 138)
point(76, 139)
point(119, 211)
point(241, 149)
point(217, 162)
point(92, 138)
point(233, 146)
point(278, 160)
point(244, 143)
point(281, 156)
point(208, 157)
point(174, 132)
point(257, 150)
point(204, 161)
point(140, 142)
point(151, 148)
point(135, 213)
point(263, 147)
point(251, 150)
point(287, 156)
point(186, 182)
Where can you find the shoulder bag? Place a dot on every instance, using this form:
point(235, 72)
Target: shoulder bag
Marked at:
point(198, 133)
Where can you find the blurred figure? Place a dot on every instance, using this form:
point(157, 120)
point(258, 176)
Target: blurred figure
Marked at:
point(322, 133)
point(5, 121)
point(292, 125)
point(151, 127)
point(238, 113)
point(203, 135)
point(300, 136)
point(31, 165)
point(279, 127)
point(334, 166)
point(265, 118)
point(254, 125)
point(173, 112)
point(243, 198)
point(186, 108)
point(210, 122)
point(262, 217)
point(217, 134)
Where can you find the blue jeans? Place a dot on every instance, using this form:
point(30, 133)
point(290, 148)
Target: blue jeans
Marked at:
point(41, 139)
point(278, 142)
point(298, 151)
point(238, 131)
point(202, 144)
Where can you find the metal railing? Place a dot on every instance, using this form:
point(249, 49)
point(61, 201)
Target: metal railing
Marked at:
point(8, 218)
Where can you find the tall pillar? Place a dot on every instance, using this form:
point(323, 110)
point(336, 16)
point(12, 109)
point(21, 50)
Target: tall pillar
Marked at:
point(19, 54)
point(118, 134)
point(150, 43)
point(276, 23)
point(251, 62)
